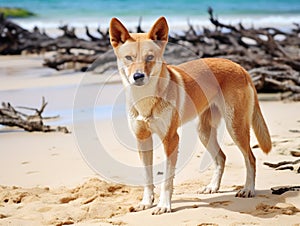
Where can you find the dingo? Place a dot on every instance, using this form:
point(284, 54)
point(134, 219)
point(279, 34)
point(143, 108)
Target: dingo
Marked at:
point(161, 97)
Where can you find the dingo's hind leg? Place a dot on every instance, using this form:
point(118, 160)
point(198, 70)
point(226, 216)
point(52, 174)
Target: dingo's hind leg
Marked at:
point(237, 120)
point(207, 129)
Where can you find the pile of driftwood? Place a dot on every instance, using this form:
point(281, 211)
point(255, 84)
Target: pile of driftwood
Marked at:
point(15, 39)
point(9, 116)
point(271, 56)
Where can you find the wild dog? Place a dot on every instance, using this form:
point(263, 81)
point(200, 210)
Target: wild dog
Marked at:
point(161, 97)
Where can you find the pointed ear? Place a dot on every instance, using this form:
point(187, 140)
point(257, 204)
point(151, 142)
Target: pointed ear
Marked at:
point(159, 31)
point(118, 33)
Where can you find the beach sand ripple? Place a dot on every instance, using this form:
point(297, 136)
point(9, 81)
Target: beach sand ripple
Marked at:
point(93, 200)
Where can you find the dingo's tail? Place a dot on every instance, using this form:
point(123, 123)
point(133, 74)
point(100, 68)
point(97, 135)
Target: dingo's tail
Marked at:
point(260, 128)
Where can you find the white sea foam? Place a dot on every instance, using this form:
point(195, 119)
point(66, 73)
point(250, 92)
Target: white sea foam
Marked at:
point(176, 24)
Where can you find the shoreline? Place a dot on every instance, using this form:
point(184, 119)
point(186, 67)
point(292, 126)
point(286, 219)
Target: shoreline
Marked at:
point(177, 24)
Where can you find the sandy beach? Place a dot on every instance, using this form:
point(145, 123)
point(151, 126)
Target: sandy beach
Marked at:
point(46, 178)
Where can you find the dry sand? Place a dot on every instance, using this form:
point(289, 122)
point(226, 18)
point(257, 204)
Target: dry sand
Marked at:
point(44, 179)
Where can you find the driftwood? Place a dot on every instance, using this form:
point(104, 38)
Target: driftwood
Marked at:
point(281, 190)
point(9, 116)
point(59, 60)
point(286, 165)
point(279, 164)
point(273, 62)
point(15, 39)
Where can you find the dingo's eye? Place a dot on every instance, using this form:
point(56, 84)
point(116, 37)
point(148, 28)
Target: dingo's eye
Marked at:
point(149, 57)
point(128, 58)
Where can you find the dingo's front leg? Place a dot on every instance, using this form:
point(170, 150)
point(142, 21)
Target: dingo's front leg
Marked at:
point(171, 150)
point(164, 205)
point(145, 148)
point(146, 156)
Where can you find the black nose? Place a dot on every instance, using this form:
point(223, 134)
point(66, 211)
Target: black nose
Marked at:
point(138, 76)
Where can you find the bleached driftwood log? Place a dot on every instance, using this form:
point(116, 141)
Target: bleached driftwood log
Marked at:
point(9, 116)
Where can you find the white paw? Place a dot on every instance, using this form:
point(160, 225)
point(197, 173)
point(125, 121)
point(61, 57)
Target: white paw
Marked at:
point(160, 210)
point(146, 203)
point(164, 205)
point(209, 190)
point(245, 193)
point(141, 207)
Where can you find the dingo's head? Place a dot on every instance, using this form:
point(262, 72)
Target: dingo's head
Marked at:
point(139, 55)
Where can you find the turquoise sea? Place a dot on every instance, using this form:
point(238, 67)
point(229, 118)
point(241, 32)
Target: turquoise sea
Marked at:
point(78, 13)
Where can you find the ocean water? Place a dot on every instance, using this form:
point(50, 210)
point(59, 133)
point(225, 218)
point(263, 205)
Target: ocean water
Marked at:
point(94, 13)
